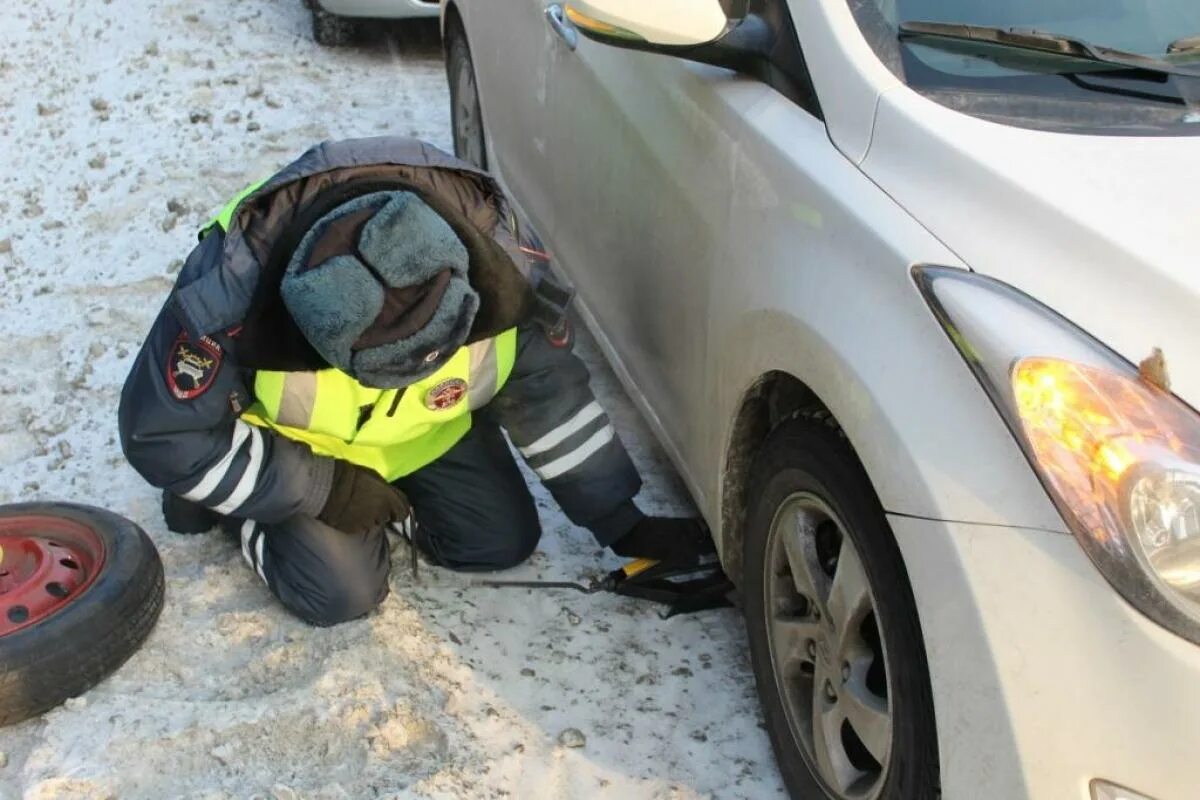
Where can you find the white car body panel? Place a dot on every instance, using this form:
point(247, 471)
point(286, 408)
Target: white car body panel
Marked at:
point(512, 72)
point(381, 9)
point(1043, 677)
point(1113, 250)
point(849, 78)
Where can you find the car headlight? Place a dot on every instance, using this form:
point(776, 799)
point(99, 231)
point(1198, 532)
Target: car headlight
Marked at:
point(1119, 456)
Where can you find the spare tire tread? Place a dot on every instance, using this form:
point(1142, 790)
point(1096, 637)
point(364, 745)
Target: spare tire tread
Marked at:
point(72, 651)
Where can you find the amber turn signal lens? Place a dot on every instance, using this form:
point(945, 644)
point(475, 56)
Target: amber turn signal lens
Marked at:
point(593, 25)
point(1122, 456)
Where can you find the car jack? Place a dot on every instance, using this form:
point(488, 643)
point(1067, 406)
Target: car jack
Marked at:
point(683, 590)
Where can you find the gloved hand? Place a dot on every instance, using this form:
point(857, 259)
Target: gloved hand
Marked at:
point(360, 501)
point(674, 542)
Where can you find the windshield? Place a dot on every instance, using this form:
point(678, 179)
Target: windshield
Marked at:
point(1139, 26)
point(1047, 90)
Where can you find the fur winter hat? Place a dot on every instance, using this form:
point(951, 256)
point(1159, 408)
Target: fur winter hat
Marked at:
point(379, 288)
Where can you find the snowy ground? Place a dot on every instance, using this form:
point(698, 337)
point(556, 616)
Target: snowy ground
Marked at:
point(122, 127)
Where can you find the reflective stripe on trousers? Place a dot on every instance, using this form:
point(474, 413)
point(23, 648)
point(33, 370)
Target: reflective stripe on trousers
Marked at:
point(252, 548)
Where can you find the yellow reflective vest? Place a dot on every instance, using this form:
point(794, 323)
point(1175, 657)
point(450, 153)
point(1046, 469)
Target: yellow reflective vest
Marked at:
point(392, 431)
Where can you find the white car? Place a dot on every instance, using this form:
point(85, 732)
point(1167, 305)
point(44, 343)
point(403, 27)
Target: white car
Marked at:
point(336, 22)
point(909, 290)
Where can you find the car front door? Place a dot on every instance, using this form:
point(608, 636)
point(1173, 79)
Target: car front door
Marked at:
point(510, 45)
point(645, 150)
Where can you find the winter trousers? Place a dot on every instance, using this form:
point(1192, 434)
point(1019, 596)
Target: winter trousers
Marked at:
point(474, 512)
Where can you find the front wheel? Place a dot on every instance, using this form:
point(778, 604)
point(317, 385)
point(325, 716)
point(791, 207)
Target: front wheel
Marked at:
point(834, 636)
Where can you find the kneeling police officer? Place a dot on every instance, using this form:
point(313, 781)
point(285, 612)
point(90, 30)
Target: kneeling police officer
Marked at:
point(341, 353)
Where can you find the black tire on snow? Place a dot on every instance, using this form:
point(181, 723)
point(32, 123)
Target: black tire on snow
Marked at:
point(330, 30)
point(458, 60)
point(72, 650)
point(811, 456)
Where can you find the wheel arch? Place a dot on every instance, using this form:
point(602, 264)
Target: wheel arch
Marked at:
point(867, 352)
point(776, 365)
point(771, 398)
point(780, 364)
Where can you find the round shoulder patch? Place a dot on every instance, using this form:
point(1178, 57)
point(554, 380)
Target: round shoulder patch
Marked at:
point(192, 366)
point(446, 394)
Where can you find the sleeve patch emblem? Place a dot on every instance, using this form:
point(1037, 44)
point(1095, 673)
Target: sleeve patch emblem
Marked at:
point(446, 394)
point(192, 367)
point(560, 334)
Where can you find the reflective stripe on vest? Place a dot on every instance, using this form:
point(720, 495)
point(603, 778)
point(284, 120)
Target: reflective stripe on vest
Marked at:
point(339, 417)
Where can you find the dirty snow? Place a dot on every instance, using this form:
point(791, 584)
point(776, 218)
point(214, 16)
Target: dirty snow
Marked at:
point(123, 126)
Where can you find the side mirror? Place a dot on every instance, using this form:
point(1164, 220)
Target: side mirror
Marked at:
point(723, 33)
point(669, 23)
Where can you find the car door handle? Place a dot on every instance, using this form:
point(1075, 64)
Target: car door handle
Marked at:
point(558, 21)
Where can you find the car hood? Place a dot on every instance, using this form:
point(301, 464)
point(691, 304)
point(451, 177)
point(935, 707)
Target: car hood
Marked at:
point(1103, 229)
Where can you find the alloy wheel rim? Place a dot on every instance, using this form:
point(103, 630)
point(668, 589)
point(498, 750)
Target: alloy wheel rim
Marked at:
point(827, 649)
point(467, 129)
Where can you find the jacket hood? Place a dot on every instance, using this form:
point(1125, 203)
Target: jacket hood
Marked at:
point(269, 223)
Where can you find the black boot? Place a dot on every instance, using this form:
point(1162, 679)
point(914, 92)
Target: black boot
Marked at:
point(672, 541)
point(184, 516)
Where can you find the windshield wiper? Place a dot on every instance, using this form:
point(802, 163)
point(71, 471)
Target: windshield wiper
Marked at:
point(1043, 42)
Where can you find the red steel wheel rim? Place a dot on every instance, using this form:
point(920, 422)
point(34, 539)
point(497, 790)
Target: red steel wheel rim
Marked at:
point(46, 562)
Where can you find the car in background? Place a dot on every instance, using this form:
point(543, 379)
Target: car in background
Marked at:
point(909, 291)
point(336, 22)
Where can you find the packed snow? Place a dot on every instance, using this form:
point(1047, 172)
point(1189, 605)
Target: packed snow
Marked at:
point(123, 127)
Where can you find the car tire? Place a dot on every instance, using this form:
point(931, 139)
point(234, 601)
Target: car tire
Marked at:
point(841, 674)
point(330, 30)
point(470, 140)
point(80, 590)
